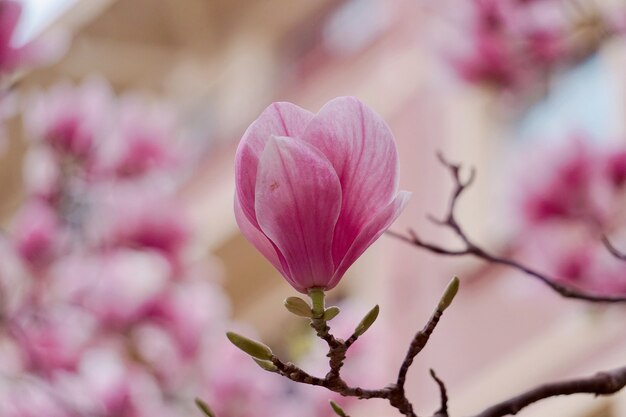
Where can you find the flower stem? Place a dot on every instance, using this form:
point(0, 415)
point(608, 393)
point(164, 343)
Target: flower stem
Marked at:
point(317, 300)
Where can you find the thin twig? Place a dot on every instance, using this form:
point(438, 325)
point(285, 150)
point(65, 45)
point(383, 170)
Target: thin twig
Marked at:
point(443, 393)
point(472, 249)
point(353, 338)
point(612, 249)
point(336, 348)
point(603, 383)
point(394, 393)
point(418, 343)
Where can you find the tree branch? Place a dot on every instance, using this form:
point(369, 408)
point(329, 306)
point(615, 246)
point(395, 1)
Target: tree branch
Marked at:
point(603, 383)
point(394, 393)
point(443, 410)
point(612, 249)
point(472, 249)
point(418, 343)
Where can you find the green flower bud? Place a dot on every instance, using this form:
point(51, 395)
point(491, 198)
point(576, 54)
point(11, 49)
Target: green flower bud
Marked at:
point(255, 349)
point(449, 294)
point(367, 321)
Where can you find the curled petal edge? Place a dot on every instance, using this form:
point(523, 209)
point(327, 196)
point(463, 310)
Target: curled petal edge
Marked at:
point(370, 233)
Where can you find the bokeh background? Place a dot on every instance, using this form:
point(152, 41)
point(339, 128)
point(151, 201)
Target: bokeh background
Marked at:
point(121, 264)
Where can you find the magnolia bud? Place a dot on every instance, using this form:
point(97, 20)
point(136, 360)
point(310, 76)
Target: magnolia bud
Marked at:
point(449, 294)
point(367, 321)
point(251, 347)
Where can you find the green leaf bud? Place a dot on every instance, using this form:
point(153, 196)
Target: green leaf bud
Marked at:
point(330, 313)
point(367, 321)
point(255, 349)
point(298, 306)
point(449, 294)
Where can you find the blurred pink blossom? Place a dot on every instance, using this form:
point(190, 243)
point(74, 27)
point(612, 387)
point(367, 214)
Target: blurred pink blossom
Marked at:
point(122, 285)
point(615, 168)
point(516, 46)
point(567, 187)
point(37, 233)
point(72, 121)
point(188, 310)
point(53, 341)
point(42, 174)
point(10, 56)
point(31, 397)
point(107, 309)
point(151, 220)
point(572, 199)
point(237, 387)
point(36, 52)
point(145, 138)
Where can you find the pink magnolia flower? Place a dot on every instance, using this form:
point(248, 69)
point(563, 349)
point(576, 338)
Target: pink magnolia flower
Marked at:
point(36, 233)
point(72, 120)
point(566, 187)
point(41, 173)
point(109, 384)
point(152, 220)
point(491, 61)
point(143, 139)
point(10, 56)
point(55, 340)
point(615, 168)
point(313, 192)
point(30, 397)
point(182, 312)
point(516, 45)
point(36, 52)
point(123, 284)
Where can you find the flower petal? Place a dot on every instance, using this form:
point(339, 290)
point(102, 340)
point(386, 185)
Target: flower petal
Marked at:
point(298, 198)
point(372, 231)
point(258, 239)
point(280, 119)
point(362, 150)
point(10, 12)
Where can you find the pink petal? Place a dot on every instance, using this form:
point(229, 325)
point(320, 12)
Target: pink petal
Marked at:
point(298, 198)
point(372, 231)
point(361, 148)
point(10, 12)
point(279, 119)
point(257, 238)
